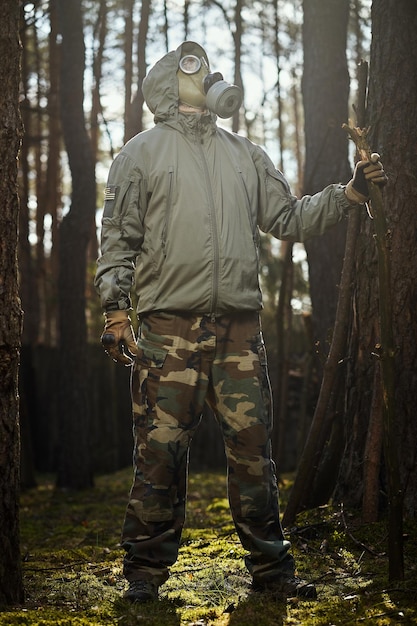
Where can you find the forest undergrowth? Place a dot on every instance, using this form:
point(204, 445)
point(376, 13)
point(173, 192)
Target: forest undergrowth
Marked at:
point(73, 564)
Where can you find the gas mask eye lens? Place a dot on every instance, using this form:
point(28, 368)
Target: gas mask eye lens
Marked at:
point(190, 64)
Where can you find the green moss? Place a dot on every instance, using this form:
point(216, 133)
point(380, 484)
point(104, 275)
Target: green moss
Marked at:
point(73, 565)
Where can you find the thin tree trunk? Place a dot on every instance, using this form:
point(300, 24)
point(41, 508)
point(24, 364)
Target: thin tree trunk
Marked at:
point(11, 584)
point(28, 290)
point(74, 409)
point(28, 287)
point(372, 455)
point(304, 416)
point(297, 134)
point(237, 38)
point(325, 86)
point(128, 65)
point(166, 26)
point(53, 174)
point(283, 324)
point(100, 33)
point(40, 270)
point(134, 118)
point(277, 50)
point(186, 18)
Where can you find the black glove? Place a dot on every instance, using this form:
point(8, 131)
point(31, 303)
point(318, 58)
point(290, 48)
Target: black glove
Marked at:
point(118, 338)
point(365, 171)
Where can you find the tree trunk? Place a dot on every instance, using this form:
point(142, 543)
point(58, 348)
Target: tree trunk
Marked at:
point(372, 455)
point(11, 585)
point(39, 192)
point(74, 412)
point(128, 65)
point(53, 175)
point(325, 87)
point(28, 286)
point(325, 94)
point(277, 51)
point(284, 326)
point(134, 119)
point(392, 89)
point(237, 38)
point(100, 35)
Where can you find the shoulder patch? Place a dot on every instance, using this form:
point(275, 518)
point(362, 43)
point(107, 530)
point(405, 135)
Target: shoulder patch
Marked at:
point(110, 194)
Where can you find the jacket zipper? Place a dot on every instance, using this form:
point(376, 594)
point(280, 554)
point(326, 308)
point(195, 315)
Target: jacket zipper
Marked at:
point(254, 229)
point(124, 191)
point(168, 209)
point(214, 229)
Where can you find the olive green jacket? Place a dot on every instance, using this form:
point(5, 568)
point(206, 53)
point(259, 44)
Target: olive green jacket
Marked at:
point(184, 204)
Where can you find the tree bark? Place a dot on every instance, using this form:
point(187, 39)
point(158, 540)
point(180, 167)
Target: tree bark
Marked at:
point(393, 87)
point(277, 52)
point(128, 66)
point(74, 410)
point(11, 584)
point(237, 39)
point(325, 86)
point(53, 174)
point(134, 123)
point(100, 35)
point(392, 118)
point(28, 286)
point(372, 455)
point(284, 326)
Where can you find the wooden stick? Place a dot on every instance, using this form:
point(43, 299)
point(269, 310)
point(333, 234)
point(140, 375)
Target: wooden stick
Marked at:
point(386, 353)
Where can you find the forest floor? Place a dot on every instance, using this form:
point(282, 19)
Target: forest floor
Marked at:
point(73, 577)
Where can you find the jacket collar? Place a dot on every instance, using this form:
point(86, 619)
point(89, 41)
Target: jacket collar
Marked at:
point(197, 126)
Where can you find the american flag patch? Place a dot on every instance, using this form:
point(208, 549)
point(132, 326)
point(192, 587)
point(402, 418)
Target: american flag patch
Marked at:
point(109, 193)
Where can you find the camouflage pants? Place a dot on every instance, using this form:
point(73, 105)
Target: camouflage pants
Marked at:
point(184, 361)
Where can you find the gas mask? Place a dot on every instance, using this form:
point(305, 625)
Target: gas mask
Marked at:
point(197, 87)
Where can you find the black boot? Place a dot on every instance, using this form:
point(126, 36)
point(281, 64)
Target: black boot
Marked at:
point(288, 586)
point(141, 591)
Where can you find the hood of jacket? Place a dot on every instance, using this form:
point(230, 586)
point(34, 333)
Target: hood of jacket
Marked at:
point(160, 86)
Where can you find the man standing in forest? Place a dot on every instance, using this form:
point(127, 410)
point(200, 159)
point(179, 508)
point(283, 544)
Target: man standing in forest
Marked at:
point(183, 205)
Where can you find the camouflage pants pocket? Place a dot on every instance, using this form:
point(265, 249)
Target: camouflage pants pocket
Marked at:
point(149, 500)
point(166, 409)
point(150, 358)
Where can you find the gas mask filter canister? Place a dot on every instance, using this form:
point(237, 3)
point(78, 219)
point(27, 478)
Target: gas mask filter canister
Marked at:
point(224, 99)
point(197, 86)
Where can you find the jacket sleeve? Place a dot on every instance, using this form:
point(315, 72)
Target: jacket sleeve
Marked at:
point(121, 233)
point(284, 216)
